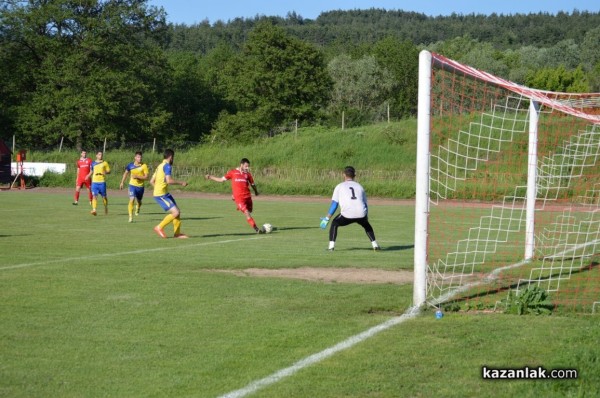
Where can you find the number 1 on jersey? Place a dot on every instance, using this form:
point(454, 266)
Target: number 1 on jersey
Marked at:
point(353, 197)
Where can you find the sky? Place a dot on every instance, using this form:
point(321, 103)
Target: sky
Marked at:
point(190, 12)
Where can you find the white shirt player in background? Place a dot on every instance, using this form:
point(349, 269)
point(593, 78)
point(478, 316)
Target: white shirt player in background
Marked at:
point(352, 200)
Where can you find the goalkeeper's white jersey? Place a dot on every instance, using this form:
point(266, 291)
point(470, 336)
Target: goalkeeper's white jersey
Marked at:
point(352, 199)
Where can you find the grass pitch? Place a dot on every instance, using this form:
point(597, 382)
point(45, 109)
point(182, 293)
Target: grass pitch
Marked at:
point(96, 306)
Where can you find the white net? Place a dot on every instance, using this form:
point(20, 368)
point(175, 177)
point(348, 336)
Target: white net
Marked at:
point(479, 154)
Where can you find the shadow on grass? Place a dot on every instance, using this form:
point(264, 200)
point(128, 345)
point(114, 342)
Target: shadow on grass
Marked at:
point(235, 234)
point(184, 218)
point(384, 248)
point(513, 285)
point(292, 228)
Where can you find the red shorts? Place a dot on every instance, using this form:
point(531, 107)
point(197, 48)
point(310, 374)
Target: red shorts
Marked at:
point(244, 204)
point(84, 183)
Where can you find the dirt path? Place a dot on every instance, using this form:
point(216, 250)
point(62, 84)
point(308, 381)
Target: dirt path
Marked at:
point(328, 275)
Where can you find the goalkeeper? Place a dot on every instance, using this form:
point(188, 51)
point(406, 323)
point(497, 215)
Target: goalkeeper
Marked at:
point(352, 200)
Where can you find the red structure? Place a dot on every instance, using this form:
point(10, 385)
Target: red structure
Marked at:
point(21, 156)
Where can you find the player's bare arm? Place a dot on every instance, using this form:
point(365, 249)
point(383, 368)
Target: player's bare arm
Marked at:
point(123, 179)
point(217, 179)
point(171, 181)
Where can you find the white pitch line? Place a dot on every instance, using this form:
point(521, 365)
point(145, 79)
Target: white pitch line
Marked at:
point(97, 256)
point(315, 358)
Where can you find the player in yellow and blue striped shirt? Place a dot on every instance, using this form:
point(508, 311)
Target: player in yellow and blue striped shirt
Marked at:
point(161, 179)
point(98, 172)
point(139, 173)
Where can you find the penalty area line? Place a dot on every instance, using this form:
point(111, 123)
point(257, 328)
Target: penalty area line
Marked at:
point(106, 255)
point(318, 357)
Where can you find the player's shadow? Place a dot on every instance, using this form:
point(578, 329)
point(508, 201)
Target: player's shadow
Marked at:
point(397, 248)
point(235, 234)
point(183, 219)
point(385, 248)
point(291, 228)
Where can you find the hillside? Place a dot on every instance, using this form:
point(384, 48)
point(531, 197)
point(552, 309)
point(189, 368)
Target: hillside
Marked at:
point(306, 163)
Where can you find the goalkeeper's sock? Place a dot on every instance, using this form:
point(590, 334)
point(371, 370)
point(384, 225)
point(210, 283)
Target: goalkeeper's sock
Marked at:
point(374, 244)
point(168, 219)
point(331, 245)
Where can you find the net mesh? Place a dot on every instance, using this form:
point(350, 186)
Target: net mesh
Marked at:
point(478, 184)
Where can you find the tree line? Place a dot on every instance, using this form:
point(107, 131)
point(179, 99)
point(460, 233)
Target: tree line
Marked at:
point(87, 71)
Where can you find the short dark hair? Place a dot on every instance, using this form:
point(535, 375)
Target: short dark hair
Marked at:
point(138, 153)
point(244, 160)
point(349, 171)
point(168, 153)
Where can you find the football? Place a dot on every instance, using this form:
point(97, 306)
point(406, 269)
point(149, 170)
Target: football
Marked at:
point(268, 228)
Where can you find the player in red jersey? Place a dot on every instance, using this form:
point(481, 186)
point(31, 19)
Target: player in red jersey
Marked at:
point(84, 165)
point(241, 181)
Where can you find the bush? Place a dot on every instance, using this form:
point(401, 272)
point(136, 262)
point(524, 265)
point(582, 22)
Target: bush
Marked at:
point(533, 300)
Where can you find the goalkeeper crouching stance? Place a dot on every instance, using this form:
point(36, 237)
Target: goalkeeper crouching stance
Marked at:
point(350, 196)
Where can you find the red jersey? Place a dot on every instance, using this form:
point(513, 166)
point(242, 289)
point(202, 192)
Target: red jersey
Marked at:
point(83, 168)
point(240, 183)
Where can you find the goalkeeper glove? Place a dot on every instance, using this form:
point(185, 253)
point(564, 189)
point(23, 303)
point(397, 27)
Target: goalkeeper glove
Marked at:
point(324, 222)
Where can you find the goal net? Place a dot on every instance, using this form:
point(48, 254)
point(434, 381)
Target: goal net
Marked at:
point(508, 192)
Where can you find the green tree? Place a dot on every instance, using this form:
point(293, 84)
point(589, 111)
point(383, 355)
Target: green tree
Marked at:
point(193, 103)
point(278, 78)
point(590, 49)
point(559, 79)
point(94, 70)
point(401, 59)
point(483, 56)
point(361, 88)
point(454, 48)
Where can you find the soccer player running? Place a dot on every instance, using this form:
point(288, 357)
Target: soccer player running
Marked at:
point(161, 179)
point(139, 173)
point(98, 172)
point(352, 199)
point(84, 165)
point(241, 179)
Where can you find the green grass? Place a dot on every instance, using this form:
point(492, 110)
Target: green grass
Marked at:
point(307, 163)
point(95, 306)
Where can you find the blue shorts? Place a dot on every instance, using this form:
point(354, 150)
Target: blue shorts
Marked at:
point(99, 188)
point(136, 192)
point(166, 201)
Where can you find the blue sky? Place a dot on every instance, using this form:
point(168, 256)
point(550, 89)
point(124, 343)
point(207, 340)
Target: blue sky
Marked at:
point(193, 11)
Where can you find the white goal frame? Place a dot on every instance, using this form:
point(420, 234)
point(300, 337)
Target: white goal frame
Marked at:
point(423, 201)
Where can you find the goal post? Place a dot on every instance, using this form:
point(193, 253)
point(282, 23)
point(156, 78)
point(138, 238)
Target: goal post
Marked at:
point(507, 190)
point(422, 182)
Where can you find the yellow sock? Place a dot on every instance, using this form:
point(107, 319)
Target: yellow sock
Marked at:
point(168, 218)
point(177, 225)
point(94, 203)
point(105, 201)
point(130, 208)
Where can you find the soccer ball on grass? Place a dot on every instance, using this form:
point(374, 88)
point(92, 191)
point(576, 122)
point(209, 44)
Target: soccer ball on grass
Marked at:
point(267, 228)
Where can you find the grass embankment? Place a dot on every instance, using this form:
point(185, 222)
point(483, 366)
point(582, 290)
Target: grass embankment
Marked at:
point(306, 163)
